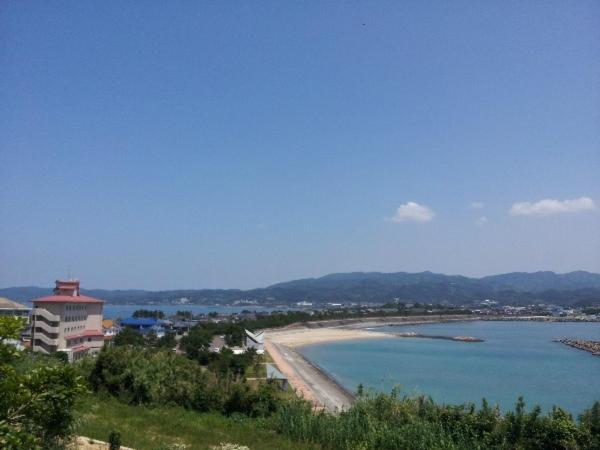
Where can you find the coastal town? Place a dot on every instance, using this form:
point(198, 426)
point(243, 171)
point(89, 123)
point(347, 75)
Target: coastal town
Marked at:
point(299, 225)
point(73, 324)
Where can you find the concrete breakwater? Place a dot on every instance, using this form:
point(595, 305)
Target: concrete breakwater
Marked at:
point(589, 346)
point(412, 334)
point(308, 380)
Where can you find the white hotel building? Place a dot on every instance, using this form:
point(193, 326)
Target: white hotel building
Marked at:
point(67, 321)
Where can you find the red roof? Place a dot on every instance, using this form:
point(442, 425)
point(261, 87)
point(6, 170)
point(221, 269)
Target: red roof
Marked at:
point(79, 348)
point(85, 333)
point(67, 299)
point(93, 333)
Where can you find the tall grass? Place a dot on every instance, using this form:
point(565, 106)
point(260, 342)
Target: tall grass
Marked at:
point(389, 422)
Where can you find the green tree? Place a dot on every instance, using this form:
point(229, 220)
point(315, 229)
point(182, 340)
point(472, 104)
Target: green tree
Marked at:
point(128, 336)
point(590, 422)
point(197, 344)
point(37, 395)
point(168, 341)
point(155, 314)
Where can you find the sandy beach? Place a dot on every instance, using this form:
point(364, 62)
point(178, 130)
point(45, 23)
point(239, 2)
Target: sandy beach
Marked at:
point(296, 337)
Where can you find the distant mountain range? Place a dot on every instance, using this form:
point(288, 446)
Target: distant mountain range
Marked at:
point(574, 288)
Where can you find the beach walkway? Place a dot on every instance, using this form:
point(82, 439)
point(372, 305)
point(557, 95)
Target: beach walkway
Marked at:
point(308, 381)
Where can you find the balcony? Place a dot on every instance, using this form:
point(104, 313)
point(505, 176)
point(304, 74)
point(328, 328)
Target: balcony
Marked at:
point(50, 335)
point(45, 327)
point(41, 337)
point(47, 316)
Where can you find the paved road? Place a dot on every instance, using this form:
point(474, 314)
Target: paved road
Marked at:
point(309, 380)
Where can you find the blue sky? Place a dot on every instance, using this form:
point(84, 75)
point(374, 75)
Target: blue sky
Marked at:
point(213, 144)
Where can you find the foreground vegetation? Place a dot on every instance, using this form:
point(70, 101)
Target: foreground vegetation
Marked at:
point(154, 398)
point(37, 395)
point(148, 376)
point(376, 422)
point(162, 428)
point(390, 422)
point(155, 378)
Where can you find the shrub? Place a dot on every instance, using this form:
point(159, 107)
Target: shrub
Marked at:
point(152, 376)
point(114, 440)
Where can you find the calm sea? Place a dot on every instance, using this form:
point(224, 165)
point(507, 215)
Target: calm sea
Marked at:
point(517, 358)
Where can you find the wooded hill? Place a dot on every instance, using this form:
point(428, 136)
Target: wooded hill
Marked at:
point(574, 288)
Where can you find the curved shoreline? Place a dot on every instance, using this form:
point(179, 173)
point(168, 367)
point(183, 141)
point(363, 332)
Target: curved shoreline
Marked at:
point(312, 382)
point(318, 332)
point(318, 386)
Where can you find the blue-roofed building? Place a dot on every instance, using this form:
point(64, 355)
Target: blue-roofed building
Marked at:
point(139, 323)
point(144, 325)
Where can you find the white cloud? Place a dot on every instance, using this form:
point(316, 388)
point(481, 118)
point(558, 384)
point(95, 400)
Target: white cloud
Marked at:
point(551, 206)
point(481, 221)
point(412, 211)
point(477, 205)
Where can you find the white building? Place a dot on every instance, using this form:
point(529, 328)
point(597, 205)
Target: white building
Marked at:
point(256, 341)
point(67, 321)
point(10, 308)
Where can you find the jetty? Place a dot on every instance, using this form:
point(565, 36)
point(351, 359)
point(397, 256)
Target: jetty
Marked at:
point(589, 346)
point(412, 334)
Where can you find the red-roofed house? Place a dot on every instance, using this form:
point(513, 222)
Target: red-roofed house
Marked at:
point(67, 321)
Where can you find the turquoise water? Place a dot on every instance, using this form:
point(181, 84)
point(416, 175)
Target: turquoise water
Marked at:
point(517, 358)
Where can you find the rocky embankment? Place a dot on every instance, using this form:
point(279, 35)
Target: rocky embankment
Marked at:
point(412, 334)
point(589, 346)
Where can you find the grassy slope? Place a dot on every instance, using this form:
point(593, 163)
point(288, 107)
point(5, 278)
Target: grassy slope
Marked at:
point(145, 428)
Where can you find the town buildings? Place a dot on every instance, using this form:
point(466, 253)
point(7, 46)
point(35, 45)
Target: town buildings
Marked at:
point(110, 330)
point(253, 340)
point(67, 321)
point(14, 309)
